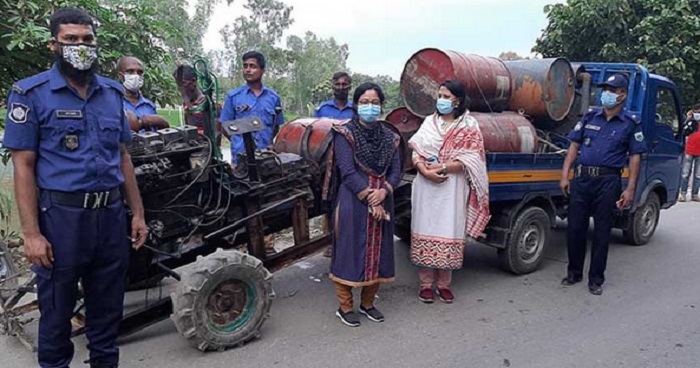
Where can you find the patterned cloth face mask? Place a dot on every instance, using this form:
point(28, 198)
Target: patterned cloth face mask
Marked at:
point(80, 56)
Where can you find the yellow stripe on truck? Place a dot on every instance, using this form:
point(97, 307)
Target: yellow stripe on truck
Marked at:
point(530, 176)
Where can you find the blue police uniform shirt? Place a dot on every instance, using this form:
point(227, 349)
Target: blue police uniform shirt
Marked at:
point(608, 143)
point(142, 108)
point(242, 102)
point(328, 109)
point(77, 141)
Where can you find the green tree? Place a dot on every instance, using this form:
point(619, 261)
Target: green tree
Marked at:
point(313, 61)
point(141, 29)
point(663, 35)
point(511, 55)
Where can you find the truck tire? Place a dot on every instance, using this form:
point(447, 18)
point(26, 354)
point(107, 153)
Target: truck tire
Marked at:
point(222, 300)
point(642, 223)
point(526, 242)
point(8, 273)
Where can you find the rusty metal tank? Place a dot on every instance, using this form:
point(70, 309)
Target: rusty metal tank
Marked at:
point(406, 124)
point(507, 132)
point(542, 88)
point(486, 79)
point(307, 137)
point(310, 138)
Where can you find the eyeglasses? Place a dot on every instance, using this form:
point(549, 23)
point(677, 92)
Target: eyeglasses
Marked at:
point(370, 102)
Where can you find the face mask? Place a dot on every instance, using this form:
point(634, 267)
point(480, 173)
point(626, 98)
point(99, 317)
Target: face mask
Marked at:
point(608, 99)
point(696, 116)
point(133, 82)
point(80, 57)
point(341, 94)
point(444, 106)
point(369, 113)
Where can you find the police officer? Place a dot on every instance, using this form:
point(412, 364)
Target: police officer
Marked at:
point(144, 110)
point(253, 99)
point(602, 141)
point(338, 107)
point(67, 131)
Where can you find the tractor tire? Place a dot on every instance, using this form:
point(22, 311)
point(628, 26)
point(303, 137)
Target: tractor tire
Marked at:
point(8, 273)
point(222, 300)
point(526, 242)
point(642, 223)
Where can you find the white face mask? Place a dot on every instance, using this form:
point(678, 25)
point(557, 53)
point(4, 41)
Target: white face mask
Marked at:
point(133, 82)
point(696, 116)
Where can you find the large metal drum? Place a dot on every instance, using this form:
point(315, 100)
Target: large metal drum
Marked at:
point(486, 79)
point(308, 138)
point(542, 88)
point(407, 124)
point(507, 132)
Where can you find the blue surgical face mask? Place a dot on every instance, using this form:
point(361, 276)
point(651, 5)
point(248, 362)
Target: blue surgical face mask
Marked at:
point(608, 99)
point(369, 113)
point(444, 106)
point(696, 116)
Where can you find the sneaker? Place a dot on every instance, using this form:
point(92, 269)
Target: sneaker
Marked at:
point(426, 296)
point(446, 295)
point(372, 313)
point(696, 199)
point(350, 318)
point(682, 198)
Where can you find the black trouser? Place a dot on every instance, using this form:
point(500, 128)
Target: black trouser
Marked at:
point(591, 196)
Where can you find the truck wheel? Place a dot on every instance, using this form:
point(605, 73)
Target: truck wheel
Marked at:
point(642, 223)
point(8, 273)
point(222, 300)
point(525, 248)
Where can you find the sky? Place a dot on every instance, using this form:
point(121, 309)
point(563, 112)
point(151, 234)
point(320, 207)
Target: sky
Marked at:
point(383, 34)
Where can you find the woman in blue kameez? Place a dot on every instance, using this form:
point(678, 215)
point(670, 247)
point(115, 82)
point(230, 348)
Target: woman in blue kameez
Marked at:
point(366, 156)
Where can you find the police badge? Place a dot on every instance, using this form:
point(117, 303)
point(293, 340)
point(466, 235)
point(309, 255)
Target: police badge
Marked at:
point(587, 141)
point(18, 113)
point(639, 136)
point(71, 141)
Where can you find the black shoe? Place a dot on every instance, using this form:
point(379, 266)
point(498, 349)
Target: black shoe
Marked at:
point(100, 365)
point(373, 314)
point(595, 289)
point(569, 281)
point(350, 318)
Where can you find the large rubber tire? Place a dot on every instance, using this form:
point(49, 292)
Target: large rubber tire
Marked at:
point(527, 241)
point(222, 300)
point(642, 223)
point(8, 273)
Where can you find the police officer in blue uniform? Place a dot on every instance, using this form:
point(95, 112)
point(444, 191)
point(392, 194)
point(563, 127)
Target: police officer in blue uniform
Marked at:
point(339, 107)
point(253, 99)
point(601, 144)
point(141, 111)
point(67, 132)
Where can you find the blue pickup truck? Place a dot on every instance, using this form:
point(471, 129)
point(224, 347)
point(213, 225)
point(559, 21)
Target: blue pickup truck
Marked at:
point(524, 187)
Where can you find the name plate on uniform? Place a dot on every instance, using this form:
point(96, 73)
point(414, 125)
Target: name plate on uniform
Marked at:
point(69, 114)
point(593, 127)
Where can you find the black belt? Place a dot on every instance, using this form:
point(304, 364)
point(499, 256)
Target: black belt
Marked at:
point(91, 200)
point(594, 171)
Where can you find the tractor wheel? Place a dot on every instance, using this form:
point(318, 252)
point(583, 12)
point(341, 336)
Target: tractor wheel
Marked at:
point(8, 273)
point(222, 300)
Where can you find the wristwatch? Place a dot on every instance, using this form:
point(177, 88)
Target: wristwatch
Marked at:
point(444, 169)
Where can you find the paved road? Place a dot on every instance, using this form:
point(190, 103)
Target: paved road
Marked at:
point(649, 316)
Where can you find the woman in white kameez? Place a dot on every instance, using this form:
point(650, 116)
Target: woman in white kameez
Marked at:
point(450, 195)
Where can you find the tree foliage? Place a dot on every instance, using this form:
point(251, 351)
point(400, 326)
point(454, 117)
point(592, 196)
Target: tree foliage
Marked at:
point(511, 55)
point(663, 35)
point(143, 28)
